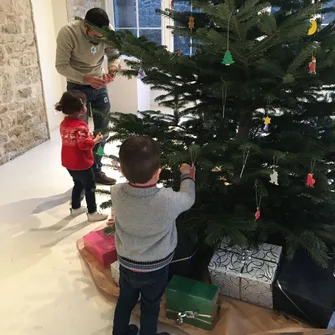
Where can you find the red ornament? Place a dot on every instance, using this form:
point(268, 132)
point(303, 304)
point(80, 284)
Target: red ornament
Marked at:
point(172, 4)
point(258, 214)
point(312, 66)
point(310, 180)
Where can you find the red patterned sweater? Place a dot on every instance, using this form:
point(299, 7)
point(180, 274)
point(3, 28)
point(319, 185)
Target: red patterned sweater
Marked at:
point(77, 144)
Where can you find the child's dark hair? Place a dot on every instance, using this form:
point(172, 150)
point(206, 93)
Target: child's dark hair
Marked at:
point(139, 159)
point(71, 102)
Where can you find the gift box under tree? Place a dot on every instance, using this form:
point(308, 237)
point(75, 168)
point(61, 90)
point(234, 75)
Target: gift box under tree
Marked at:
point(192, 302)
point(305, 290)
point(101, 247)
point(246, 274)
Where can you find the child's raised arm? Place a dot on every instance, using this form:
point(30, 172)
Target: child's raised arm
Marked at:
point(183, 200)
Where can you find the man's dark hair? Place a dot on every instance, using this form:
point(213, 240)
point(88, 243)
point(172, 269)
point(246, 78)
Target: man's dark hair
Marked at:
point(139, 159)
point(97, 17)
point(71, 102)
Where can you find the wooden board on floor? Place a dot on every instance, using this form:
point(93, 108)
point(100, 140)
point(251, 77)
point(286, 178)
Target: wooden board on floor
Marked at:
point(236, 317)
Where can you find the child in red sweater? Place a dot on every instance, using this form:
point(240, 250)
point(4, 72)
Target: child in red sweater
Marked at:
point(77, 153)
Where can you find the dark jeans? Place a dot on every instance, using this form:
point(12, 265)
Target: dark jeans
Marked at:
point(98, 102)
point(83, 180)
point(151, 285)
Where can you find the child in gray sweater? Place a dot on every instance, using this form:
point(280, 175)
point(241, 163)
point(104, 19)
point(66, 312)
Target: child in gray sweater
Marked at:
point(146, 235)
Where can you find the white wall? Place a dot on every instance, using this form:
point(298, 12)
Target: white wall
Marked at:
point(43, 12)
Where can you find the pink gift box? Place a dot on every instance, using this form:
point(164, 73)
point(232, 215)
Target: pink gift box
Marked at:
point(101, 247)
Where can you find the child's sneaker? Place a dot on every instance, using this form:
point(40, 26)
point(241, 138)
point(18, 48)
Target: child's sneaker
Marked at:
point(96, 216)
point(76, 212)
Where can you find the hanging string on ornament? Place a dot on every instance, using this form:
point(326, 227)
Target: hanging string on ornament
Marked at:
point(194, 149)
point(245, 157)
point(228, 58)
point(259, 197)
point(274, 174)
point(191, 22)
point(224, 96)
point(310, 176)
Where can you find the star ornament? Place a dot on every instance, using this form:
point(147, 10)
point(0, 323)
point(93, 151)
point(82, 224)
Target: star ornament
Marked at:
point(267, 120)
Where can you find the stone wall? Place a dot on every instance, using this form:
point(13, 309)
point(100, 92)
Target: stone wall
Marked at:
point(23, 121)
point(80, 7)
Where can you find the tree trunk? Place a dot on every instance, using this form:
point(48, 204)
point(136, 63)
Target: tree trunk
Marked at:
point(244, 124)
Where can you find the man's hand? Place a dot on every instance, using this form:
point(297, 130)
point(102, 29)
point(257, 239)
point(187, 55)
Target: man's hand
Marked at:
point(185, 168)
point(98, 138)
point(108, 78)
point(93, 81)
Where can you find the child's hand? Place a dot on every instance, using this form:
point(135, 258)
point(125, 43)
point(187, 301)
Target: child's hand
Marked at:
point(185, 168)
point(98, 138)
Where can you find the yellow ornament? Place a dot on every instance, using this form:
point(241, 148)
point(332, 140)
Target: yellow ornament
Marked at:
point(314, 26)
point(267, 121)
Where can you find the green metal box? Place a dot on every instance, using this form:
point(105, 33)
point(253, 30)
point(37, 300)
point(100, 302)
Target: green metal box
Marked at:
point(192, 302)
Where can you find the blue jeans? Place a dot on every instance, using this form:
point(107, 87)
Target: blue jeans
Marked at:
point(83, 180)
point(98, 102)
point(151, 285)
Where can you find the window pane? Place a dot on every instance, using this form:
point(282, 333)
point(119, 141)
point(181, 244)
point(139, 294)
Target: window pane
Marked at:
point(153, 35)
point(182, 43)
point(147, 13)
point(328, 17)
point(182, 6)
point(133, 31)
point(125, 13)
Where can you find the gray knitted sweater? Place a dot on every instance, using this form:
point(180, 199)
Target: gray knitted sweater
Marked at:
point(145, 222)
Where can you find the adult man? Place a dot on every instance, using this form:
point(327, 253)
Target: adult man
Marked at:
point(79, 58)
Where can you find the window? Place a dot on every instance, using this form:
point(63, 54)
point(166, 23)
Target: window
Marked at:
point(328, 17)
point(140, 17)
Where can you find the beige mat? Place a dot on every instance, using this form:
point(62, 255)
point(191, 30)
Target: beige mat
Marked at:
point(236, 317)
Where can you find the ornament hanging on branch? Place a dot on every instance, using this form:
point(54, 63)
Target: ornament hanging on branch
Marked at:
point(141, 74)
point(312, 66)
point(259, 197)
point(191, 22)
point(100, 151)
point(228, 58)
point(310, 177)
point(314, 27)
point(245, 156)
point(194, 150)
point(267, 121)
point(224, 96)
point(274, 174)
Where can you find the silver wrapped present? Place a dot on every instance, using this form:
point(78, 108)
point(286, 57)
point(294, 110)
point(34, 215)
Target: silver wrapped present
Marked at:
point(246, 274)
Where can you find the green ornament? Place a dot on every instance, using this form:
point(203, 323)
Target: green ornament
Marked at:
point(100, 151)
point(227, 59)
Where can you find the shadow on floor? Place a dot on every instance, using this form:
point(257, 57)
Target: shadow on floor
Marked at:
point(29, 234)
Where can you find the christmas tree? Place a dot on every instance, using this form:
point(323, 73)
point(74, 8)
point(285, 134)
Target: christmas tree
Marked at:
point(252, 185)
